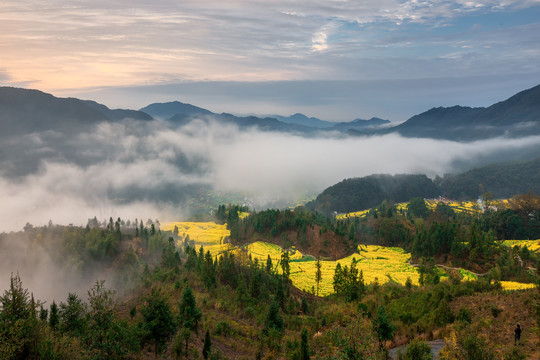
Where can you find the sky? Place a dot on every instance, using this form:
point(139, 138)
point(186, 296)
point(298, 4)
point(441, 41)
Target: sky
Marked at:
point(336, 60)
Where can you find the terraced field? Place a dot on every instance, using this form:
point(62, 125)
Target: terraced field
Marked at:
point(203, 233)
point(463, 206)
point(378, 263)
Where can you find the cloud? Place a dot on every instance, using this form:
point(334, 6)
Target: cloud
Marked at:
point(68, 45)
point(153, 170)
point(319, 41)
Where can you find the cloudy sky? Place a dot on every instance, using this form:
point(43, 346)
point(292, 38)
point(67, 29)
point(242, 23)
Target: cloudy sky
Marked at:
point(337, 60)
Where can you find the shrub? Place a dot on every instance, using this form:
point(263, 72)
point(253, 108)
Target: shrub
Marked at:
point(418, 350)
point(223, 328)
point(464, 315)
point(495, 311)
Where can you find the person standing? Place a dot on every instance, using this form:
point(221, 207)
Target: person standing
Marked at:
point(517, 334)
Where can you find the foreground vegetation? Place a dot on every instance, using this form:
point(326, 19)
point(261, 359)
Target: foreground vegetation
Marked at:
point(254, 294)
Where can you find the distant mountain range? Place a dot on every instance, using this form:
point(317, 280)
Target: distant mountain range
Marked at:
point(517, 116)
point(23, 110)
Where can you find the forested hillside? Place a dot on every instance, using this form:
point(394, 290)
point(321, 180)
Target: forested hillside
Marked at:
point(364, 193)
point(502, 180)
point(498, 180)
point(175, 300)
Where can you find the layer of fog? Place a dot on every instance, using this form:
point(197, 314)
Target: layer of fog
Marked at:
point(143, 170)
point(152, 169)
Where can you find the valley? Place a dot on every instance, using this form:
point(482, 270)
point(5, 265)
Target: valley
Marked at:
point(315, 249)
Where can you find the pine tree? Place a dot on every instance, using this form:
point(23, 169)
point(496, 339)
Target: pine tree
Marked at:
point(339, 279)
point(383, 327)
point(53, 317)
point(273, 319)
point(285, 266)
point(268, 264)
point(189, 313)
point(207, 346)
point(158, 320)
point(318, 273)
point(72, 315)
point(304, 347)
point(209, 272)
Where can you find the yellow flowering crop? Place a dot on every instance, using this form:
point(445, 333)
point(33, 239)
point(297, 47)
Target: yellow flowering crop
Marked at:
point(376, 262)
point(533, 245)
point(512, 285)
point(203, 233)
point(464, 206)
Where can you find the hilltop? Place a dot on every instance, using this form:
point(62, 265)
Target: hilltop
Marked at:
point(517, 116)
point(501, 180)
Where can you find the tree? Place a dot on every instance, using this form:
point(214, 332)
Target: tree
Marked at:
point(285, 266)
point(443, 314)
point(189, 313)
point(53, 317)
point(269, 264)
point(209, 271)
point(339, 280)
point(417, 207)
point(168, 256)
point(318, 273)
point(15, 302)
point(108, 336)
point(383, 327)
point(304, 347)
point(72, 315)
point(273, 320)
point(418, 350)
point(18, 321)
point(352, 286)
point(158, 320)
point(207, 346)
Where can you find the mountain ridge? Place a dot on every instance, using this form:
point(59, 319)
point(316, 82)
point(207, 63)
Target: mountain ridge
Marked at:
point(26, 110)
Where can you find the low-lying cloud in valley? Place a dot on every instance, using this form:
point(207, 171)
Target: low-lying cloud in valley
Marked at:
point(152, 169)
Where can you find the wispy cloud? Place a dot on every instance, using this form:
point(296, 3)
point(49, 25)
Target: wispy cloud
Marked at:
point(123, 43)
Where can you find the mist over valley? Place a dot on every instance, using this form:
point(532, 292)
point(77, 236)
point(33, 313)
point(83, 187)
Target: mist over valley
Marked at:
point(67, 160)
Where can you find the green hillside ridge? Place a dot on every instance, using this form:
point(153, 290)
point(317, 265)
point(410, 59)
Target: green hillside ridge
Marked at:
point(502, 180)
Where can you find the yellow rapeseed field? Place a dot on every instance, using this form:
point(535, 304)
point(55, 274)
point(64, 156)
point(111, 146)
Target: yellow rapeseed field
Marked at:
point(378, 263)
point(533, 245)
point(260, 250)
point(352, 214)
point(205, 233)
point(512, 285)
point(218, 249)
point(464, 206)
